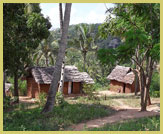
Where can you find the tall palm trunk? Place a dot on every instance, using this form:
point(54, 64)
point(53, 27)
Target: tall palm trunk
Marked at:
point(46, 60)
point(61, 17)
point(61, 54)
point(84, 57)
point(61, 82)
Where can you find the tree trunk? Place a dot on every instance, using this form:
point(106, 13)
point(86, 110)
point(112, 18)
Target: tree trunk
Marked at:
point(143, 91)
point(149, 100)
point(46, 60)
point(84, 57)
point(145, 97)
point(57, 70)
point(61, 17)
point(4, 94)
point(136, 80)
point(16, 92)
point(61, 82)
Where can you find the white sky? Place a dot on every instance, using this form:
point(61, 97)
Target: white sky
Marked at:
point(80, 13)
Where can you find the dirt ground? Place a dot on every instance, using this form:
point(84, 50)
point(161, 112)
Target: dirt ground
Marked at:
point(124, 112)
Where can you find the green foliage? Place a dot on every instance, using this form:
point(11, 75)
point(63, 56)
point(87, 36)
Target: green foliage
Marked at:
point(58, 119)
point(155, 52)
point(59, 99)
point(107, 56)
point(38, 25)
point(143, 124)
point(89, 90)
point(155, 85)
point(46, 52)
point(7, 102)
point(133, 24)
point(22, 86)
point(23, 31)
point(42, 99)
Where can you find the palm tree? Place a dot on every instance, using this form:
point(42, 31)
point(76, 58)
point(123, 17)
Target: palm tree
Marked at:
point(61, 82)
point(58, 65)
point(46, 52)
point(85, 41)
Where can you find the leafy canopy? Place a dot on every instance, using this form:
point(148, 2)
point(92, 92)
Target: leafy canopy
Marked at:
point(23, 31)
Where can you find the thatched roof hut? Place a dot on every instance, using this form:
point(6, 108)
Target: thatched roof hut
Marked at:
point(122, 74)
point(122, 79)
point(39, 79)
point(43, 75)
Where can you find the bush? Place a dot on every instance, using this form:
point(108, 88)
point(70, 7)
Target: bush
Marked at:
point(103, 81)
point(89, 90)
point(22, 86)
point(9, 101)
point(155, 85)
point(42, 99)
point(6, 102)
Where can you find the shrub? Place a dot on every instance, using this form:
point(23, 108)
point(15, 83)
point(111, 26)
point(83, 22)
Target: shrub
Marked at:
point(6, 102)
point(89, 90)
point(9, 101)
point(42, 99)
point(155, 85)
point(22, 86)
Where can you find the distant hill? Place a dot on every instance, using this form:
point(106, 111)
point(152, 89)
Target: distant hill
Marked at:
point(110, 42)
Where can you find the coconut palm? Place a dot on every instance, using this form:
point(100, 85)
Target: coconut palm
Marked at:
point(46, 52)
point(85, 41)
point(58, 65)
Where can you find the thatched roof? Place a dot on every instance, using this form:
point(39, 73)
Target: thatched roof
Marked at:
point(43, 75)
point(122, 74)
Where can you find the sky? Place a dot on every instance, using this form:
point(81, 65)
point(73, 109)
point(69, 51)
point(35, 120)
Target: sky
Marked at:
point(80, 13)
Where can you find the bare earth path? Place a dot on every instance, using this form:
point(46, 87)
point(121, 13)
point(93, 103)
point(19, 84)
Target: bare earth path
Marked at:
point(124, 113)
point(119, 116)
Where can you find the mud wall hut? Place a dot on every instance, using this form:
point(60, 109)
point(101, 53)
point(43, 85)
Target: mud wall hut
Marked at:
point(39, 80)
point(122, 80)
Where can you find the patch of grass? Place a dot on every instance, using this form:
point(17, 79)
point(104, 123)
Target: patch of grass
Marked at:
point(135, 103)
point(60, 118)
point(142, 124)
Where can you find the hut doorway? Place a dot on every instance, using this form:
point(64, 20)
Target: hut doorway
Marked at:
point(124, 86)
point(70, 87)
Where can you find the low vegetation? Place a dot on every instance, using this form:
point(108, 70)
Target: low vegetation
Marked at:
point(143, 124)
point(75, 110)
point(61, 117)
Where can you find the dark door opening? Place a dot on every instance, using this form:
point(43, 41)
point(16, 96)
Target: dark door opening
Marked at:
point(124, 86)
point(72, 88)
